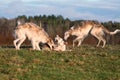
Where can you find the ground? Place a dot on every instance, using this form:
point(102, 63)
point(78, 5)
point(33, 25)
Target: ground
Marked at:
point(82, 63)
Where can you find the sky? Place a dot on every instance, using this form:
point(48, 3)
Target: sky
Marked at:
point(101, 10)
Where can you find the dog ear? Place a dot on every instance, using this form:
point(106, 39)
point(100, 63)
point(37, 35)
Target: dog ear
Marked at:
point(72, 28)
point(57, 35)
point(50, 40)
point(66, 43)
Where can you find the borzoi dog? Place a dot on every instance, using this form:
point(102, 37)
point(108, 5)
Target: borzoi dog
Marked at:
point(60, 44)
point(97, 30)
point(34, 33)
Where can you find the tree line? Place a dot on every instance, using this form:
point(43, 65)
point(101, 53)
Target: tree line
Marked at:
point(51, 23)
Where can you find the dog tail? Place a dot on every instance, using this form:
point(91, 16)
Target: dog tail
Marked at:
point(112, 33)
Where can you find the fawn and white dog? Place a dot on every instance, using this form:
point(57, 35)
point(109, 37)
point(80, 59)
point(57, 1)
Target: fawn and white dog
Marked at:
point(60, 44)
point(97, 30)
point(34, 33)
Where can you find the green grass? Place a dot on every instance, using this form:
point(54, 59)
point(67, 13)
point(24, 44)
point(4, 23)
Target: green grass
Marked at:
point(83, 63)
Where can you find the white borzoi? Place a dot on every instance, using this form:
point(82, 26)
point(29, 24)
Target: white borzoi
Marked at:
point(97, 30)
point(34, 33)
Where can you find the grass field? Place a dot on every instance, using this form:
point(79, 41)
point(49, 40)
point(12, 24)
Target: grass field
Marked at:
point(83, 63)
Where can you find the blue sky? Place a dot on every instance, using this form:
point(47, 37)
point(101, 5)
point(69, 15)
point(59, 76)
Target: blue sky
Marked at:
point(101, 10)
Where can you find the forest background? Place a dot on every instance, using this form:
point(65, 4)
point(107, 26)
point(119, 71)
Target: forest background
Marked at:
point(53, 25)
